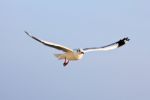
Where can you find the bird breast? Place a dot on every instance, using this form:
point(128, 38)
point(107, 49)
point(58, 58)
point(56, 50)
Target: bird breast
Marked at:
point(73, 56)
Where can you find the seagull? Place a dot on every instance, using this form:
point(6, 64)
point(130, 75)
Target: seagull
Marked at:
point(77, 54)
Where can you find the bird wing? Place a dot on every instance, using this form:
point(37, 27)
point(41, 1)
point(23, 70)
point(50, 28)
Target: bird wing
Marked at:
point(108, 47)
point(50, 44)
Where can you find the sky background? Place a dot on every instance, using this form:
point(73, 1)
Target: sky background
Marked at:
point(29, 71)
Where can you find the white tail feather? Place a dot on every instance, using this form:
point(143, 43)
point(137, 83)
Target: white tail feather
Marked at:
point(58, 56)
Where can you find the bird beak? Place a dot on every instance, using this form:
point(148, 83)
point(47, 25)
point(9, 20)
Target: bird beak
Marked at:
point(82, 52)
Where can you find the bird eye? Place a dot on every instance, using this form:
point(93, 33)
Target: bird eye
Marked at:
point(78, 50)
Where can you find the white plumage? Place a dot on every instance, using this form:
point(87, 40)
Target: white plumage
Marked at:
point(70, 54)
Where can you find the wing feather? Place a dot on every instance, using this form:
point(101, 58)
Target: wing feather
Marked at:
point(108, 47)
point(50, 44)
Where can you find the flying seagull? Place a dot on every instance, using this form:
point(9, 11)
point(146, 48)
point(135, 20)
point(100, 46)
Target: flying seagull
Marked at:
point(76, 54)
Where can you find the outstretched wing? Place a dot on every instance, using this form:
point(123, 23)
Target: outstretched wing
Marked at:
point(50, 44)
point(108, 47)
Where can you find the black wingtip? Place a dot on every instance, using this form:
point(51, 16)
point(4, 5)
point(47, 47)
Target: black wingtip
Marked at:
point(126, 38)
point(123, 41)
point(27, 33)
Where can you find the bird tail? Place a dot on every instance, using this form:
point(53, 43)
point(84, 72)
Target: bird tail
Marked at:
point(58, 56)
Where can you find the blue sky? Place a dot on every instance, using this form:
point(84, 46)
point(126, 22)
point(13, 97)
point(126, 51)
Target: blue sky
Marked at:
point(29, 71)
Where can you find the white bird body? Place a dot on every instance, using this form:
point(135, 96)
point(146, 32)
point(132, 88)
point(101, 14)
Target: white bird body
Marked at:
point(70, 56)
point(77, 54)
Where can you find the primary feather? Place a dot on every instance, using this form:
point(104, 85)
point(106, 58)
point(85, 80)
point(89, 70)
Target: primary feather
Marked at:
point(50, 44)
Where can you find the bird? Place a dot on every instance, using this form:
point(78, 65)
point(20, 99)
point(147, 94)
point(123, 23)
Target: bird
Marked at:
point(76, 54)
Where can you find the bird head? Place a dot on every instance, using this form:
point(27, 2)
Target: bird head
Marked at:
point(80, 51)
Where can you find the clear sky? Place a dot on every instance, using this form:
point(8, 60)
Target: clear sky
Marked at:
point(29, 71)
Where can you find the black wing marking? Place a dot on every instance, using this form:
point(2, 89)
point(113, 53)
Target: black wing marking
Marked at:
point(108, 47)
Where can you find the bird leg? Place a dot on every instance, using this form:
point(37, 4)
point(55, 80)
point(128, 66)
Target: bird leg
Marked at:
point(65, 62)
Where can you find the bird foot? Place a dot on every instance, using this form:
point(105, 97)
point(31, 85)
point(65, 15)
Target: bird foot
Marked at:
point(66, 63)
